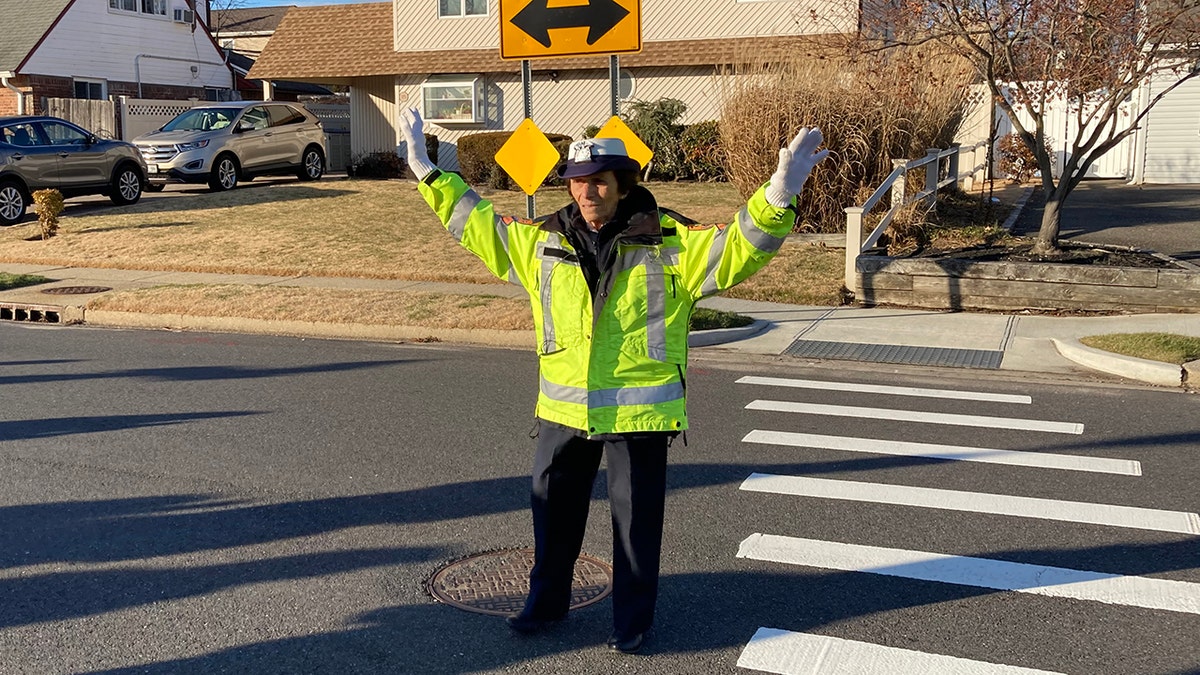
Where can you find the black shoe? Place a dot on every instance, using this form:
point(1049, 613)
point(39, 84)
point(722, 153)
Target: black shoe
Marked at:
point(526, 624)
point(629, 645)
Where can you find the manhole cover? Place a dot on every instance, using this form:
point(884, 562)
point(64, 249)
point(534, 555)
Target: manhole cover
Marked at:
point(496, 583)
point(75, 290)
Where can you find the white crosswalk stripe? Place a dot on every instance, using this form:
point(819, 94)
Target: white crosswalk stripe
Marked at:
point(780, 651)
point(787, 653)
point(977, 502)
point(918, 416)
point(876, 446)
point(883, 389)
point(1147, 592)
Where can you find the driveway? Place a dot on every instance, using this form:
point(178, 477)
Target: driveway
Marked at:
point(1163, 218)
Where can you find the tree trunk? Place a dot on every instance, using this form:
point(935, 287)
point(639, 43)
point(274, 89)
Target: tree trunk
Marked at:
point(1047, 238)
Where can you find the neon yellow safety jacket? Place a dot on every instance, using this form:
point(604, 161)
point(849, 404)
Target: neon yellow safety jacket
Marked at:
point(619, 363)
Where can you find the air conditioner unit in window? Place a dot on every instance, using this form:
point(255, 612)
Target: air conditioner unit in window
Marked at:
point(184, 15)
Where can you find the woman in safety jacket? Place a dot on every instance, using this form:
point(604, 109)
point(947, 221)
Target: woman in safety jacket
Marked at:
point(612, 281)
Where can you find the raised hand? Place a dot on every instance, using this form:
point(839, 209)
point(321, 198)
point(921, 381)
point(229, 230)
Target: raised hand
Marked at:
point(412, 129)
point(796, 162)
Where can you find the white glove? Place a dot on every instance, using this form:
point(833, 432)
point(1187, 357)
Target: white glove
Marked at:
point(411, 127)
point(796, 161)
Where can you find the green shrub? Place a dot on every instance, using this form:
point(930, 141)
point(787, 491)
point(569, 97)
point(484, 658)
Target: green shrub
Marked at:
point(1016, 159)
point(377, 165)
point(703, 157)
point(477, 157)
point(657, 124)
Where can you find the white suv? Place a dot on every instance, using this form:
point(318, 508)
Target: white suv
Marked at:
point(222, 143)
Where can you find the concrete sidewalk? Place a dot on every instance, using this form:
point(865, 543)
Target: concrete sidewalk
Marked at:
point(1013, 342)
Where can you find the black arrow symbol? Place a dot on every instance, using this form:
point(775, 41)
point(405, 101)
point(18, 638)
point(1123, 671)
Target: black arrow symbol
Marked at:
point(599, 16)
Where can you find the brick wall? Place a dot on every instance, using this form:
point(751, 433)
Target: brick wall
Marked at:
point(8, 100)
point(37, 88)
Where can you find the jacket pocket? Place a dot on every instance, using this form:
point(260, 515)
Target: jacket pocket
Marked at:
point(561, 289)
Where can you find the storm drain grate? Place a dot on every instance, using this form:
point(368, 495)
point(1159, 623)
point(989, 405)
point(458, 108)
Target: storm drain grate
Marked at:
point(497, 582)
point(30, 313)
point(75, 290)
point(917, 356)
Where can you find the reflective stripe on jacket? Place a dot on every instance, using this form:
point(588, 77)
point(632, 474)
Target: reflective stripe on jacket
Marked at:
point(619, 364)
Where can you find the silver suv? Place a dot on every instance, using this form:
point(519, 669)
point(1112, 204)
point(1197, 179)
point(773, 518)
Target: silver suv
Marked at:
point(222, 143)
point(39, 152)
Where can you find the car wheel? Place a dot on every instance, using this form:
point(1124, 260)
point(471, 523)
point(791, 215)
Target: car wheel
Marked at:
point(312, 165)
point(127, 186)
point(12, 203)
point(224, 174)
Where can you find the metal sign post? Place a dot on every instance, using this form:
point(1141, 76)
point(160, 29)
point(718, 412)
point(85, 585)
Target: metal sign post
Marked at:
point(614, 83)
point(527, 89)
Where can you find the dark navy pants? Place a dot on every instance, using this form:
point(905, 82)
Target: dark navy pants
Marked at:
point(564, 470)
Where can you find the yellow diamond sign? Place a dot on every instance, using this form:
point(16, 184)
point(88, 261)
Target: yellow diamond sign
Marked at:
point(527, 156)
point(615, 127)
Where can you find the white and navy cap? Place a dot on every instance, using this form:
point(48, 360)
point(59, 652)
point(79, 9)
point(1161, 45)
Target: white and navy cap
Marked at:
point(593, 155)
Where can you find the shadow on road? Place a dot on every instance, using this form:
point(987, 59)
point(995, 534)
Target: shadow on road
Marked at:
point(698, 613)
point(199, 373)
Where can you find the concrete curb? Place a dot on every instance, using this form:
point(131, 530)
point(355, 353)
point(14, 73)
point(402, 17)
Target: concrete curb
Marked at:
point(480, 336)
point(718, 336)
point(1017, 209)
point(501, 338)
point(1153, 372)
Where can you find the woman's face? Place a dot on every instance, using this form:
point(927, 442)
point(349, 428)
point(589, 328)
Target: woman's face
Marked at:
point(596, 195)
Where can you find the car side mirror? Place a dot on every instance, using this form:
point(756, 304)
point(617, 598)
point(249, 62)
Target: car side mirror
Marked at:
point(243, 127)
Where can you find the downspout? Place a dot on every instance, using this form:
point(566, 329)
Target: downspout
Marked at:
point(4, 76)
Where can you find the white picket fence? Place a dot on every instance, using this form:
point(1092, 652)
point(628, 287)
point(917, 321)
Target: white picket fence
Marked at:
point(1061, 125)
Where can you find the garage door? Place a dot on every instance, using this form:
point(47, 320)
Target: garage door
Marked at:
point(1173, 135)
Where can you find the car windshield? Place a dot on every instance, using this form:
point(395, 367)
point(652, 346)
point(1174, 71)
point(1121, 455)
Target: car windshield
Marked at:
point(203, 119)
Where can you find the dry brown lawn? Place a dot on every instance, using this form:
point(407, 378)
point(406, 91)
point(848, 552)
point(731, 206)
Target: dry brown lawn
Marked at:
point(329, 305)
point(348, 228)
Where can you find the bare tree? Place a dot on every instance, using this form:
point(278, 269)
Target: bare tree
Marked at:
point(1092, 55)
point(215, 6)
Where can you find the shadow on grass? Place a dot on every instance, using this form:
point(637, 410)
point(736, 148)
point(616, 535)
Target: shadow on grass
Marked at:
point(200, 198)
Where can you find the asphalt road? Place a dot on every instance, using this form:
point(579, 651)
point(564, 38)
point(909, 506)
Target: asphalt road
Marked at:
point(203, 503)
point(1162, 218)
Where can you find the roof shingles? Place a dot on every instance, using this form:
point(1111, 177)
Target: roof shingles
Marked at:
point(22, 26)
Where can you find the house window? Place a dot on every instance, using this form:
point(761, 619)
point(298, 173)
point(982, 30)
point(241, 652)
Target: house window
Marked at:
point(91, 89)
point(452, 99)
point(158, 7)
point(462, 8)
point(625, 84)
point(152, 7)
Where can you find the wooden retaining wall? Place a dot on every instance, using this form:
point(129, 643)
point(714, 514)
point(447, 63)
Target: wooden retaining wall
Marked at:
point(966, 284)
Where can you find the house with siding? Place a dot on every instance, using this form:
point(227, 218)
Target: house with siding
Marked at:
point(242, 33)
point(1166, 147)
point(246, 30)
point(443, 56)
point(97, 49)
